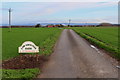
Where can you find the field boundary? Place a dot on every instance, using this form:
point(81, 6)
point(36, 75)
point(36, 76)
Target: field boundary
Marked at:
point(114, 52)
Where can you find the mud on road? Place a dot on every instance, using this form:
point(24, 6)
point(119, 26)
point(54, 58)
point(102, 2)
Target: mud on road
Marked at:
point(74, 58)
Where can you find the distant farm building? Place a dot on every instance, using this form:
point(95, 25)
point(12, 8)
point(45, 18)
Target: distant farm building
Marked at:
point(59, 25)
point(50, 25)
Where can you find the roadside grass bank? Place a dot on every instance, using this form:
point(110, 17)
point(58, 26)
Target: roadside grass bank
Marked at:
point(23, 74)
point(103, 37)
point(45, 38)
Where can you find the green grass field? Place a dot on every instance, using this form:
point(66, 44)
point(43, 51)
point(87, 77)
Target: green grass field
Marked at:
point(45, 38)
point(104, 37)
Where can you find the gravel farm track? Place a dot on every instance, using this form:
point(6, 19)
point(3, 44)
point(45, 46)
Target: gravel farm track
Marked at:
point(74, 57)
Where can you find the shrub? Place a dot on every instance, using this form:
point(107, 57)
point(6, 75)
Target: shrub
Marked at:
point(37, 25)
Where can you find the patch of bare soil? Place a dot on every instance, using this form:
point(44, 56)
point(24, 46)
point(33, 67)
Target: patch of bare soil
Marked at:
point(25, 61)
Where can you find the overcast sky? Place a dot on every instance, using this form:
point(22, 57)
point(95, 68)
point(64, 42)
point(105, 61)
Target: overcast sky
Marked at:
point(52, 12)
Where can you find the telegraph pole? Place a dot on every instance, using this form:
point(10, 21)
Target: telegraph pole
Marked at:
point(69, 23)
point(10, 18)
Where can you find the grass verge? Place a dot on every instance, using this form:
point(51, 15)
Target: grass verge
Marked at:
point(22, 74)
point(48, 44)
point(115, 52)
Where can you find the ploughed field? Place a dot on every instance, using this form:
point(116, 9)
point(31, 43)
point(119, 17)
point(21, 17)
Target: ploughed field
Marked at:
point(103, 37)
point(16, 65)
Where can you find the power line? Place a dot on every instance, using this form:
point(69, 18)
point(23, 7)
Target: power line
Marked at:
point(4, 9)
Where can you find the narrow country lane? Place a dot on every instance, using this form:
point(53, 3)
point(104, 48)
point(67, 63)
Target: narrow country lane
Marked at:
point(73, 57)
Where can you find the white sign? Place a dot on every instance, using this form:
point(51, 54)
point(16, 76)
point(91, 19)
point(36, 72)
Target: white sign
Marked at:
point(28, 47)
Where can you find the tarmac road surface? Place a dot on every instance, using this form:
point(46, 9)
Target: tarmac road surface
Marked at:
point(74, 57)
